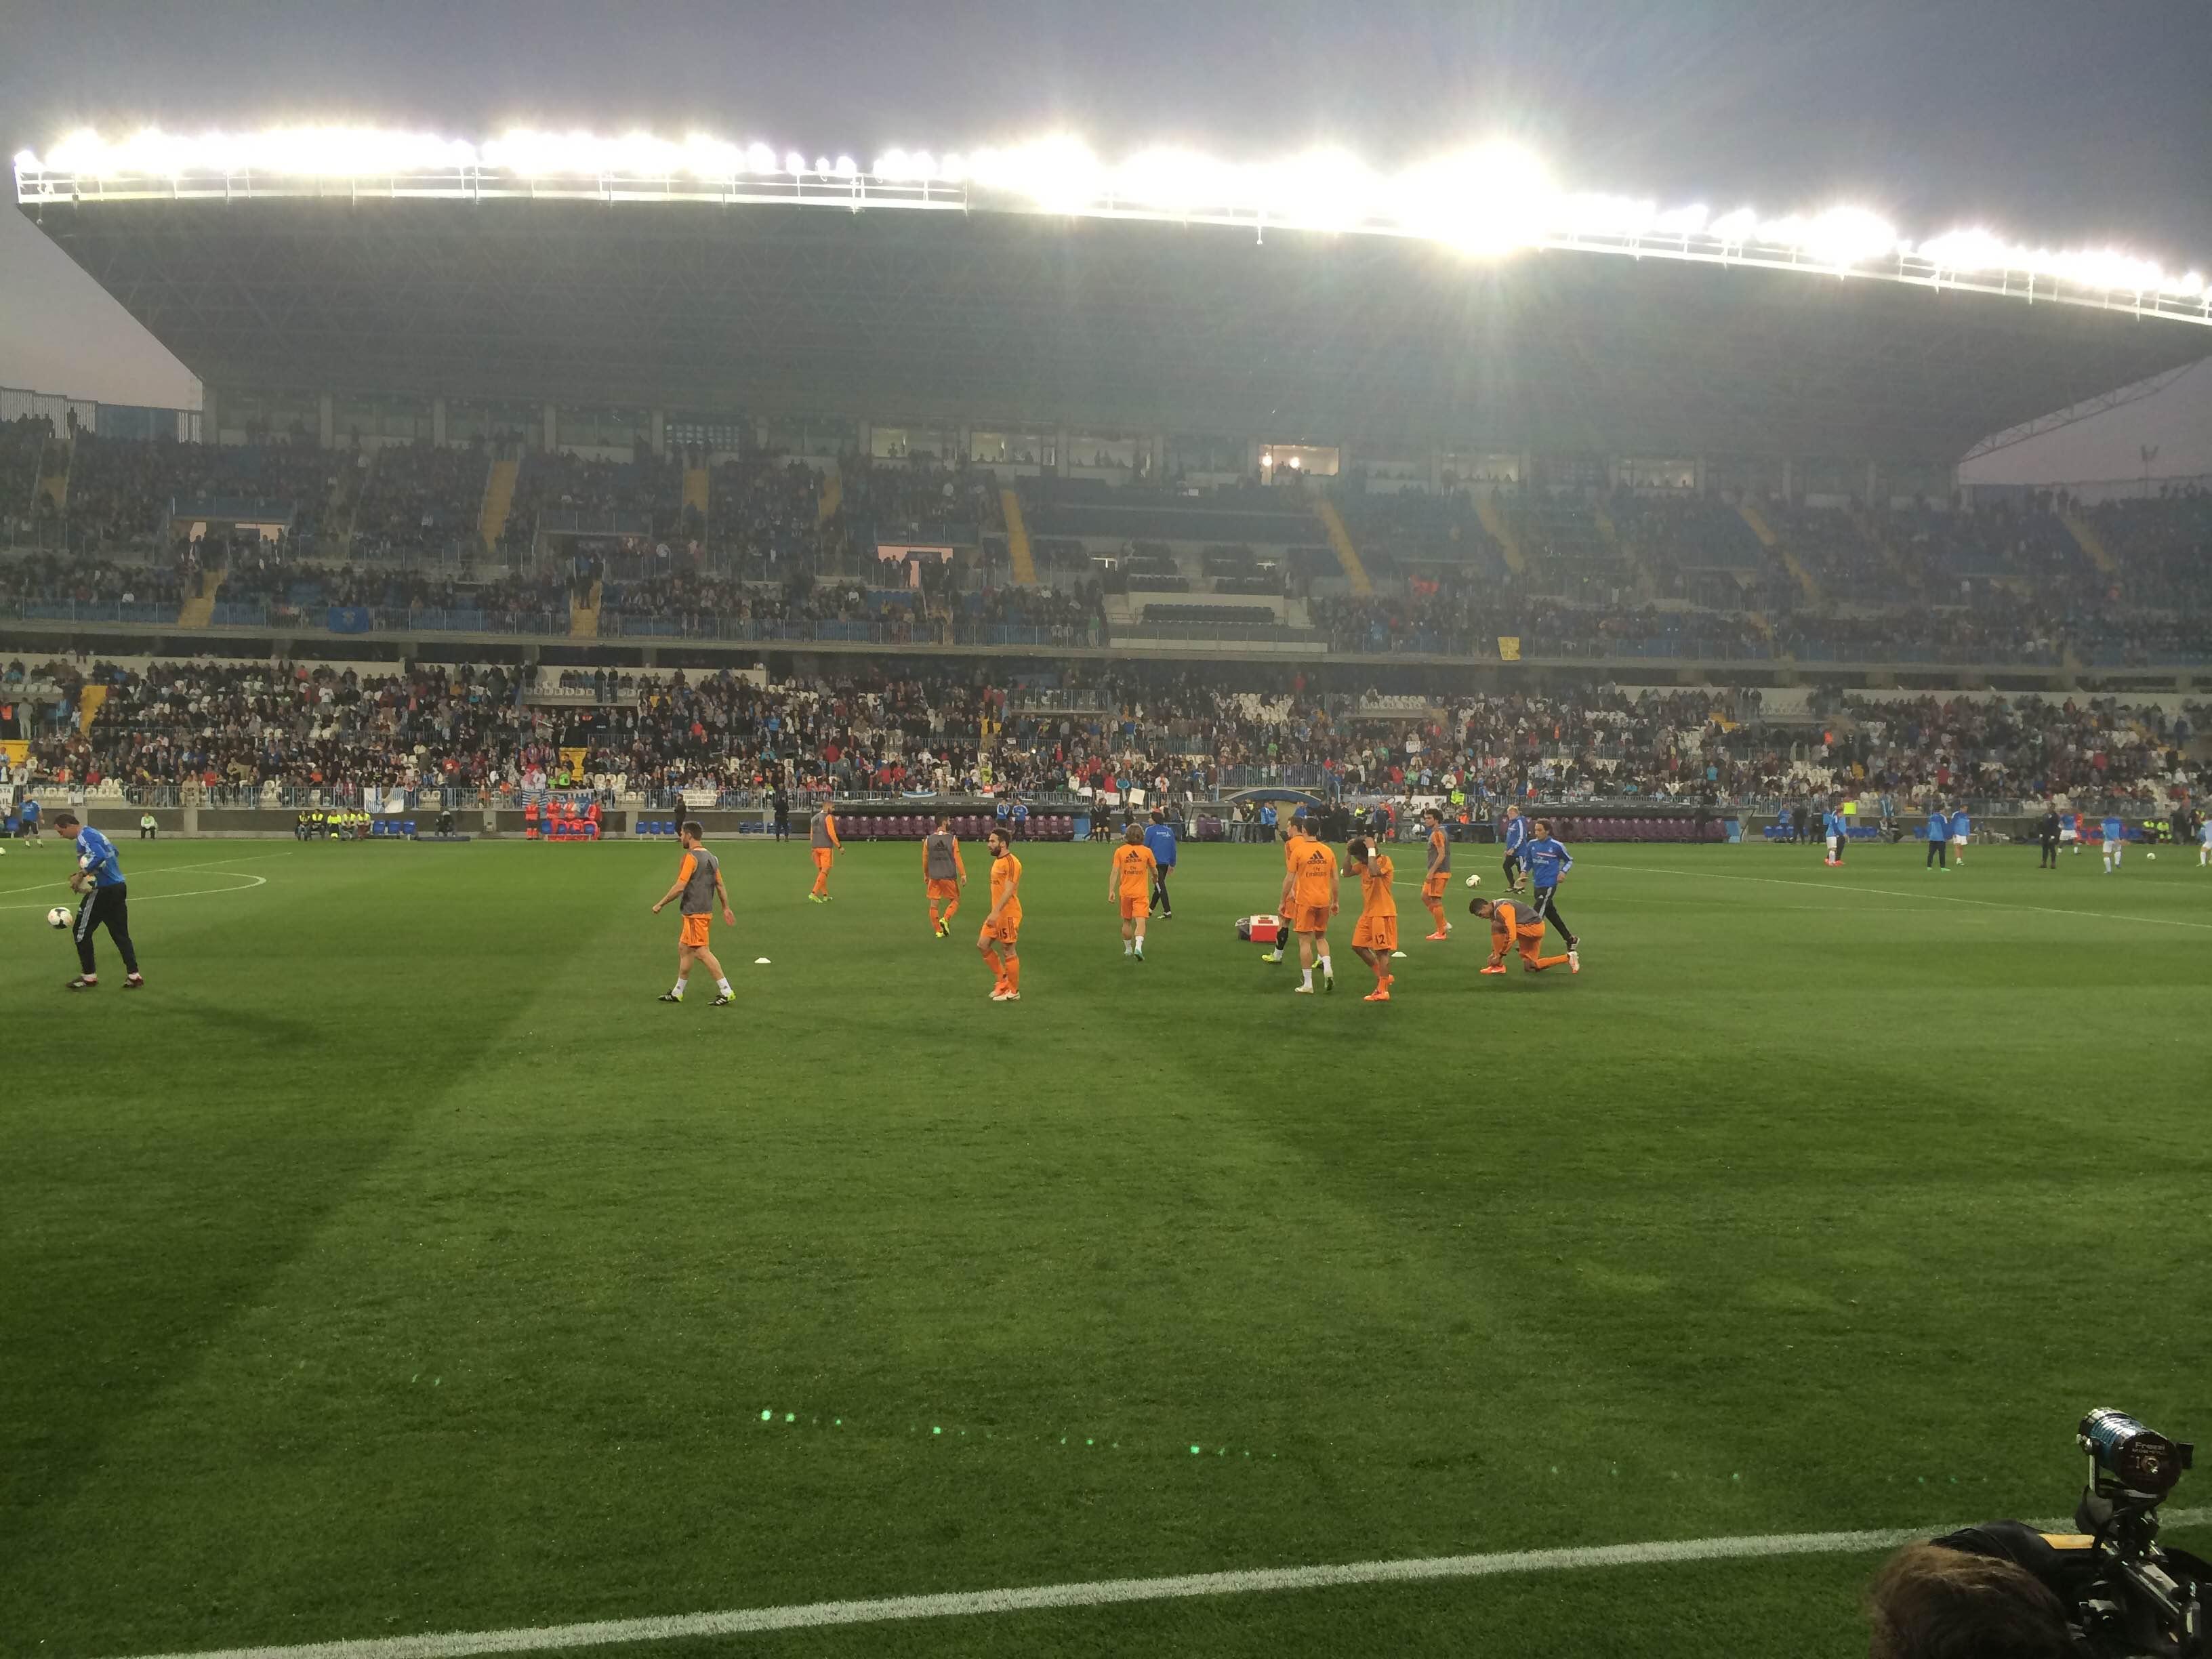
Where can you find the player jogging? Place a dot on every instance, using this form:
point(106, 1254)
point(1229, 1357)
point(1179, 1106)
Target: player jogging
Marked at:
point(1961, 828)
point(1939, 839)
point(2116, 840)
point(698, 888)
point(1547, 862)
point(1002, 927)
point(1518, 922)
point(1310, 899)
point(1434, 876)
point(944, 873)
point(1129, 877)
point(104, 902)
point(822, 832)
point(1160, 836)
point(1515, 832)
point(1376, 935)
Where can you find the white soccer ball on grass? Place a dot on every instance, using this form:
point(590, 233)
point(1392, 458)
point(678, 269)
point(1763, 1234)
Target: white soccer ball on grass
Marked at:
point(57, 917)
point(1475, 880)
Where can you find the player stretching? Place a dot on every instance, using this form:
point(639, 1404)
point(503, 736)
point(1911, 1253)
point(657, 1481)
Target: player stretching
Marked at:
point(1547, 860)
point(1310, 899)
point(105, 902)
point(1837, 830)
point(1515, 830)
point(2116, 840)
point(944, 873)
point(1514, 921)
point(1002, 927)
point(1129, 878)
point(823, 832)
point(1376, 935)
point(1434, 877)
point(698, 887)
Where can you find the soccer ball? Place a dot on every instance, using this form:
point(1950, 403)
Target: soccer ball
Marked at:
point(57, 917)
point(1475, 880)
point(2152, 857)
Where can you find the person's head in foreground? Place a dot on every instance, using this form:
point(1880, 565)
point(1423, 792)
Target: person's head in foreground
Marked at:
point(1931, 1602)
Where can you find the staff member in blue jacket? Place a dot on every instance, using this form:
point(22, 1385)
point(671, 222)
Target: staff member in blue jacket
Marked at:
point(105, 901)
point(1160, 836)
point(1514, 832)
point(1939, 839)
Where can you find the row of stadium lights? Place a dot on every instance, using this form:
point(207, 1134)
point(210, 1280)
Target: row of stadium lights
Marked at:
point(1487, 201)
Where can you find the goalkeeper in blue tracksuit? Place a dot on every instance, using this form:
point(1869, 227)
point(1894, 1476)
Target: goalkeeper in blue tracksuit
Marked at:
point(1160, 836)
point(1547, 862)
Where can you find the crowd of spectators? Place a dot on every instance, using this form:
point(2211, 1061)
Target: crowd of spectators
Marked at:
point(420, 503)
point(1183, 734)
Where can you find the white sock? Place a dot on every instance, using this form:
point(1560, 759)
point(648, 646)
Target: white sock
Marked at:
point(680, 984)
point(723, 986)
point(1327, 972)
point(1306, 975)
point(1140, 947)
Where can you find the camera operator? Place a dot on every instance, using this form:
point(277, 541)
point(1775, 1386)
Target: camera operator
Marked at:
point(1946, 1600)
point(2005, 1590)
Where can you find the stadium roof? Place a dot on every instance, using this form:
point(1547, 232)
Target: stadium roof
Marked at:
point(824, 294)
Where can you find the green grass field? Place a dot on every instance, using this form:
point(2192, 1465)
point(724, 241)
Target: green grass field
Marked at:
point(396, 1264)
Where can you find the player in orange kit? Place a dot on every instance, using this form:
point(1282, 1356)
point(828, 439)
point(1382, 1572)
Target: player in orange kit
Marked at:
point(1518, 922)
point(1376, 934)
point(823, 832)
point(1002, 927)
point(1310, 899)
point(1438, 874)
point(944, 873)
point(1129, 879)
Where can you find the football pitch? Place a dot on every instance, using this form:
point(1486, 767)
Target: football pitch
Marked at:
point(396, 1264)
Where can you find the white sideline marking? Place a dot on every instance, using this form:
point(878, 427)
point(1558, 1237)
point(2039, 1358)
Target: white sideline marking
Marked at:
point(171, 869)
point(743, 1621)
point(1895, 892)
point(251, 881)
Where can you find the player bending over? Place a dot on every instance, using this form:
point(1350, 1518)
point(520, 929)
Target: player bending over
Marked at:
point(698, 888)
point(1129, 877)
point(1515, 922)
point(1310, 899)
point(944, 873)
point(1289, 834)
point(1002, 927)
point(104, 901)
point(1376, 935)
point(1434, 877)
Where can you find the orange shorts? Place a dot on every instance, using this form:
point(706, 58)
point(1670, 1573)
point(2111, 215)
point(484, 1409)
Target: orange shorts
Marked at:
point(1375, 934)
point(695, 932)
point(1433, 887)
point(823, 855)
point(1007, 930)
point(1139, 905)
point(942, 890)
point(1310, 919)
